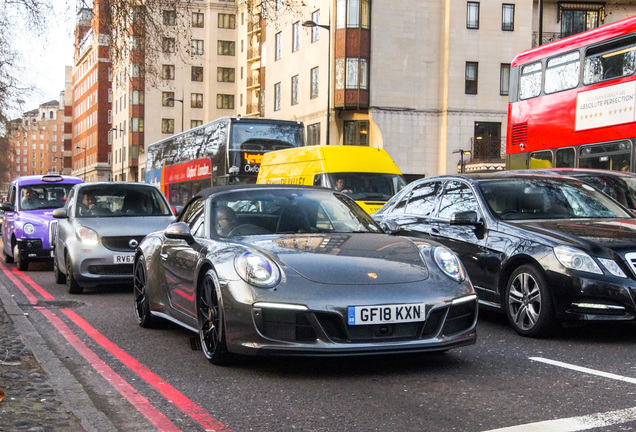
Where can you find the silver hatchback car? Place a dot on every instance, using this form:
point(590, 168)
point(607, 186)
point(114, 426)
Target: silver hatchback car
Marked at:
point(99, 228)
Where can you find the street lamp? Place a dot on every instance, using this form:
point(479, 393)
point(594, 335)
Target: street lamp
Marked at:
point(169, 99)
point(461, 158)
point(84, 150)
point(328, 28)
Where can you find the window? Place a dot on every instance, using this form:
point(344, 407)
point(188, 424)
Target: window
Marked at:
point(278, 46)
point(314, 83)
point(422, 199)
point(562, 72)
point(472, 15)
point(227, 21)
point(195, 123)
point(224, 101)
point(277, 97)
point(313, 134)
point(197, 19)
point(458, 197)
point(471, 78)
point(196, 100)
point(225, 74)
point(136, 97)
point(294, 90)
point(167, 72)
point(136, 124)
point(504, 79)
point(169, 17)
point(197, 47)
point(167, 45)
point(315, 31)
point(296, 36)
point(356, 133)
point(167, 99)
point(507, 17)
point(610, 60)
point(579, 17)
point(197, 73)
point(225, 48)
point(167, 126)
point(530, 81)
point(356, 73)
point(356, 16)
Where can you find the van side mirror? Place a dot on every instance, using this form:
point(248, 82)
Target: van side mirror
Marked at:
point(465, 218)
point(7, 207)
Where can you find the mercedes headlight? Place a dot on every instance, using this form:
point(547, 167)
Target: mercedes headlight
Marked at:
point(86, 235)
point(257, 269)
point(576, 259)
point(449, 263)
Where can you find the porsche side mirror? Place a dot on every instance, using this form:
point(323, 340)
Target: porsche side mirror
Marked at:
point(179, 231)
point(390, 226)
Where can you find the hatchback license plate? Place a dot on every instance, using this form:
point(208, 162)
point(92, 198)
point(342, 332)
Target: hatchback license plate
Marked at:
point(123, 259)
point(386, 314)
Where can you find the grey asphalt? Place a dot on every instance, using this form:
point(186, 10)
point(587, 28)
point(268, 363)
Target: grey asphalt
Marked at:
point(38, 392)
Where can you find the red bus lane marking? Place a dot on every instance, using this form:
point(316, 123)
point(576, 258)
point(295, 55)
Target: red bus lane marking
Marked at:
point(169, 392)
point(30, 297)
point(166, 390)
point(142, 404)
point(44, 293)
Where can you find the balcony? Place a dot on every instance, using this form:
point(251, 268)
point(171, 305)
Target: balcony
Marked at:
point(254, 80)
point(486, 154)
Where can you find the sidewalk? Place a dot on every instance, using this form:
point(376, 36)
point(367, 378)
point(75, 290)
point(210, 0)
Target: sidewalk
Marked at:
point(40, 394)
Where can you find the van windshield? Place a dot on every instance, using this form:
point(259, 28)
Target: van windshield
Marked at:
point(367, 186)
point(44, 196)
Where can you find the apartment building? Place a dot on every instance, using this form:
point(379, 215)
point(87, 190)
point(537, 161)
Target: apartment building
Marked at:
point(91, 97)
point(37, 140)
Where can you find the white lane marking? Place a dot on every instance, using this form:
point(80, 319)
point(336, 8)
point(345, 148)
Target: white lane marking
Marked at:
point(574, 424)
point(585, 370)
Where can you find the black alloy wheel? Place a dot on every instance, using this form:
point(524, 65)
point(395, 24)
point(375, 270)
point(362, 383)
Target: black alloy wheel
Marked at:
point(210, 316)
point(140, 289)
point(528, 303)
point(71, 283)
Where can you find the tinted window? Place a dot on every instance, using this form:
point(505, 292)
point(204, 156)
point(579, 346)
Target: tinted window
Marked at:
point(422, 200)
point(609, 61)
point(193, 216)
point(458, 197)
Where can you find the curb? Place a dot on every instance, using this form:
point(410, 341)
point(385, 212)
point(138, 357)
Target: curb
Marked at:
point(71, 392)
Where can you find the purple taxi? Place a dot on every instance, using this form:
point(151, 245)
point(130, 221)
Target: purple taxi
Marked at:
point(28, 213)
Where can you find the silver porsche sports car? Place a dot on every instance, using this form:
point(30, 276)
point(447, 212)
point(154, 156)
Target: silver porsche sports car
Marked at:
point(292, 270)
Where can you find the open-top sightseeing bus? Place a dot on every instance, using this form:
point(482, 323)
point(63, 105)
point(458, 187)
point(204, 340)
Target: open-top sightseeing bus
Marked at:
point(572, 102)
point(225, 151)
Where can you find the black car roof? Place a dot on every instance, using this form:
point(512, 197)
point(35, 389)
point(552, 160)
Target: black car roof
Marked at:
point(218, 189)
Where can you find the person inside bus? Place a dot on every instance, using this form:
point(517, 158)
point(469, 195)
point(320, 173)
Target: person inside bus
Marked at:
point(341, 186)
point(226, 221)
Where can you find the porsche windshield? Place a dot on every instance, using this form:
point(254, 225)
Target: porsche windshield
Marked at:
point(544, 198)
point(285, 211)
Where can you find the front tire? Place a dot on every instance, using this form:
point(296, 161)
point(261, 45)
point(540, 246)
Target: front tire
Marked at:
point(211, 318)
point(140, 289)
point(7, 258)
point(20, 262)
point(71, 283)
point(528, 302)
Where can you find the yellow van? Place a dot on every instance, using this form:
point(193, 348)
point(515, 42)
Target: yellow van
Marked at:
point(367, 174)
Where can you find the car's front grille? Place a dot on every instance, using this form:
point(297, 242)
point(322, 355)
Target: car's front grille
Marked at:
point(111, 270)
point(631, 260)
point(121, 244)
point(297, 326)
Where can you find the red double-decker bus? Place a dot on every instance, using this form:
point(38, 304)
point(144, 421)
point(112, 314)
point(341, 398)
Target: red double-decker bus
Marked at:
point(572, 102)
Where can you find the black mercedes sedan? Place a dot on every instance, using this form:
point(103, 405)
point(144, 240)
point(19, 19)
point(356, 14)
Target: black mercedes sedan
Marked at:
point(545, 249)
point(292, 270)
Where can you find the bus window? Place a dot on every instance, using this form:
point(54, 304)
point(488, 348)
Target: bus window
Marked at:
point(530, 81)
point(562, 72)
point(608, 61)
point(541, 159)
point(611, 156)
point(565, 158)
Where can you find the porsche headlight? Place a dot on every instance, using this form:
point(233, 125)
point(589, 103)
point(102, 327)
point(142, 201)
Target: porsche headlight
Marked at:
point(576, 259)
point(87, 235)
point(257, 270)
point(28, 228)
point(449, 263)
